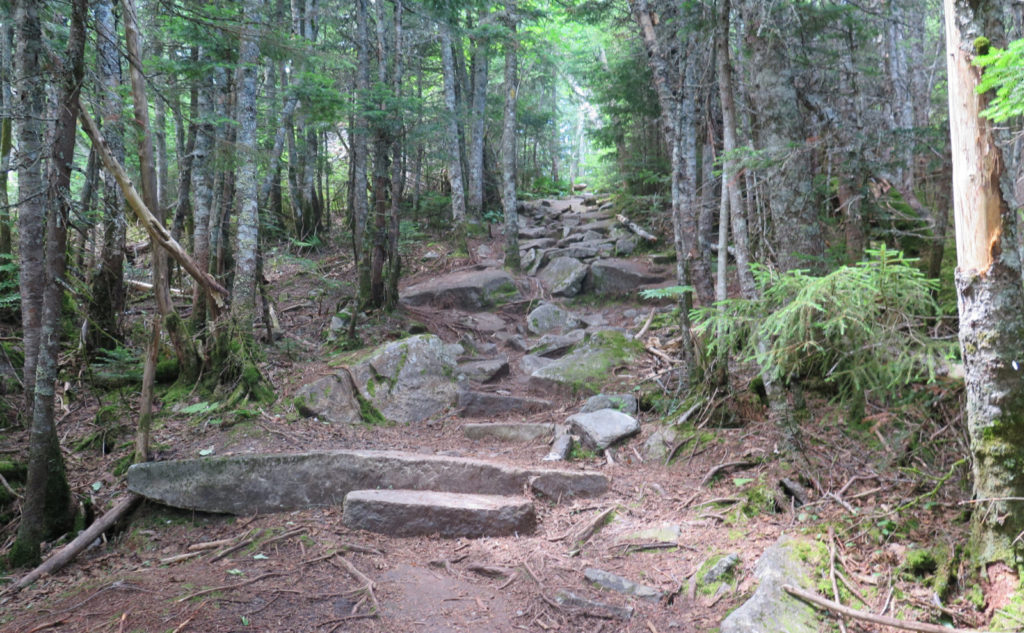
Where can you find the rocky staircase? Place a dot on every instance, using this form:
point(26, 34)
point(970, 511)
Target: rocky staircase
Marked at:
point(568, 246)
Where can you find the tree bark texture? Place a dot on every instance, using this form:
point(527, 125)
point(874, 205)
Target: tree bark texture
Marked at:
point(780, 135)
point(48, 511)
point(243, 292)
point(108, 293)
point(454, 146)
point(360, 200)
point(478, 112)
point(29, 111)
point(990, 297)
point(6, 129)
point(508, 149)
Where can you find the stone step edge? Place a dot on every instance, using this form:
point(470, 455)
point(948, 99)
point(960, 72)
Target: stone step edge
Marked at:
point(405, 512)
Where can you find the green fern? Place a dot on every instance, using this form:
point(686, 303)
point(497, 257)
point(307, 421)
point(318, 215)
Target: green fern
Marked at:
point(860, 328)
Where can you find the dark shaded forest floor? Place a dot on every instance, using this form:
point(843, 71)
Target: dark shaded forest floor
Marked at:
point(885, 494)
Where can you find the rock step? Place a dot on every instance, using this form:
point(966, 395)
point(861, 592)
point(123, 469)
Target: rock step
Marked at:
point(247, 484)
point(451, 515)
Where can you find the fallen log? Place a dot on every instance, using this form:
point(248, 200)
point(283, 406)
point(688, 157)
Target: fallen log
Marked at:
point(67, 553)
point(635, 228)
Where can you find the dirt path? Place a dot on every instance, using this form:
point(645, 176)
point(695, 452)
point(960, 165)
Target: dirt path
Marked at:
point(143, 579)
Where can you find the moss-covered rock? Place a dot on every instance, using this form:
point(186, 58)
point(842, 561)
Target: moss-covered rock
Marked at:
point(589, 366)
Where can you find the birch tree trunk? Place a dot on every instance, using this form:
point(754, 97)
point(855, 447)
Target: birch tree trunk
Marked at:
point(360, 201)
point(508, 146)
point(48, 510)
point(990, 295)
point(243, 291)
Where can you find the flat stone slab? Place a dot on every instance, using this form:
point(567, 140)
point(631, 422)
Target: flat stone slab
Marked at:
point(485, 369)
point(618, 276)
point(563, 276)
point(614, 582)
point(600, 429)
point(471, 290)
point(478, 404)
point(571, 601)
point(548, 317)
point(247, 484)
point(509, 431)
point(451, 515)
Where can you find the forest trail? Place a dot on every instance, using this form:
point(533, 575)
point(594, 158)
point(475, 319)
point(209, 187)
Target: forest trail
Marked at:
point(656, 526)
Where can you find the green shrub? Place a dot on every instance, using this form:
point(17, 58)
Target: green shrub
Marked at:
point(860, 328)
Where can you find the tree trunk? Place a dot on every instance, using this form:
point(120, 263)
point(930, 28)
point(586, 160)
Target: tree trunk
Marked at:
point(394, 270)
point(107, 298)
point(184, 349)
point(780, 134)
point(454, 146)
point(508, 146)
point(477, 115)
point(6, 129)
point(202, 185)
point(990, 296)
point(48, 511)
point(360, 201)
point(29, 107)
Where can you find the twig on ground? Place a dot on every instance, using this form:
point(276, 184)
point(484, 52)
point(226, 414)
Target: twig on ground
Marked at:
point(647, 324)
point(906, 625)
point(368, 585)
point(337, 622)
point(832, 573)
point(589, 529)
point(48, 625)
point(246, 541)
point(181, 627)
point(723, 467)
point(281, 537)
point(236, 585)
point(198, 547)
point(180, 557)
point(841, 502)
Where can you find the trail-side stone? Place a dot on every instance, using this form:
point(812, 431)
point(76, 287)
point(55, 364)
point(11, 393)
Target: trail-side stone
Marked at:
point(509, 431)
point(542, 242)
point(659, 443)
point(598, 226)
point(480, 404)
point(664, 533)
point(532, 232)
point(721, 569)
point(601, 429)
point(563, 484)
point(588, 367)
point(451, 515)
point(560, 448)
point(571, 601)
point(556, 345)
point(470, 290)
point(563, 276)
point(331, 399)
point(410, 380)
point(614, 582)
point(484, 370)
point(248, 484)
point(617, 276)
point(549, 317)
point(625, 246)
point(531, 363)
point(486, 322)
point(771, 609)
point(625, 402)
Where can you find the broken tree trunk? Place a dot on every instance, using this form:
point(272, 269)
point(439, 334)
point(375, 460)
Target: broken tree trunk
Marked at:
point(636, 228)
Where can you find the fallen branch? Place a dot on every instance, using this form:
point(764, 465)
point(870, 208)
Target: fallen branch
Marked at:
point(141, 285)
point(636, 228)
point(588, 530)
point(237, 546)
point(368, 585)
point(83, 540)
point(723, 467)
point(157, 231)
point(835, 607)
point(284, 536)
point(236, 585)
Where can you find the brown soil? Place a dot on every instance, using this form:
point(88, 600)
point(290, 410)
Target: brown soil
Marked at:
point(855, 478)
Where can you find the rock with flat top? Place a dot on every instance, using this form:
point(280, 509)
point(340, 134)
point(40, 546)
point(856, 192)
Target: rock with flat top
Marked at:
point(618, 277)
point(614, 582)
point(471, 290)
point(478, 404)
point(450, 515)
point(572, 602)
point(563, 276)
point(548, 317)
point(251, 484)
point(509, 431)
point(625, 402)
point(588, 367)
point(484, 369)
point(600, 429)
